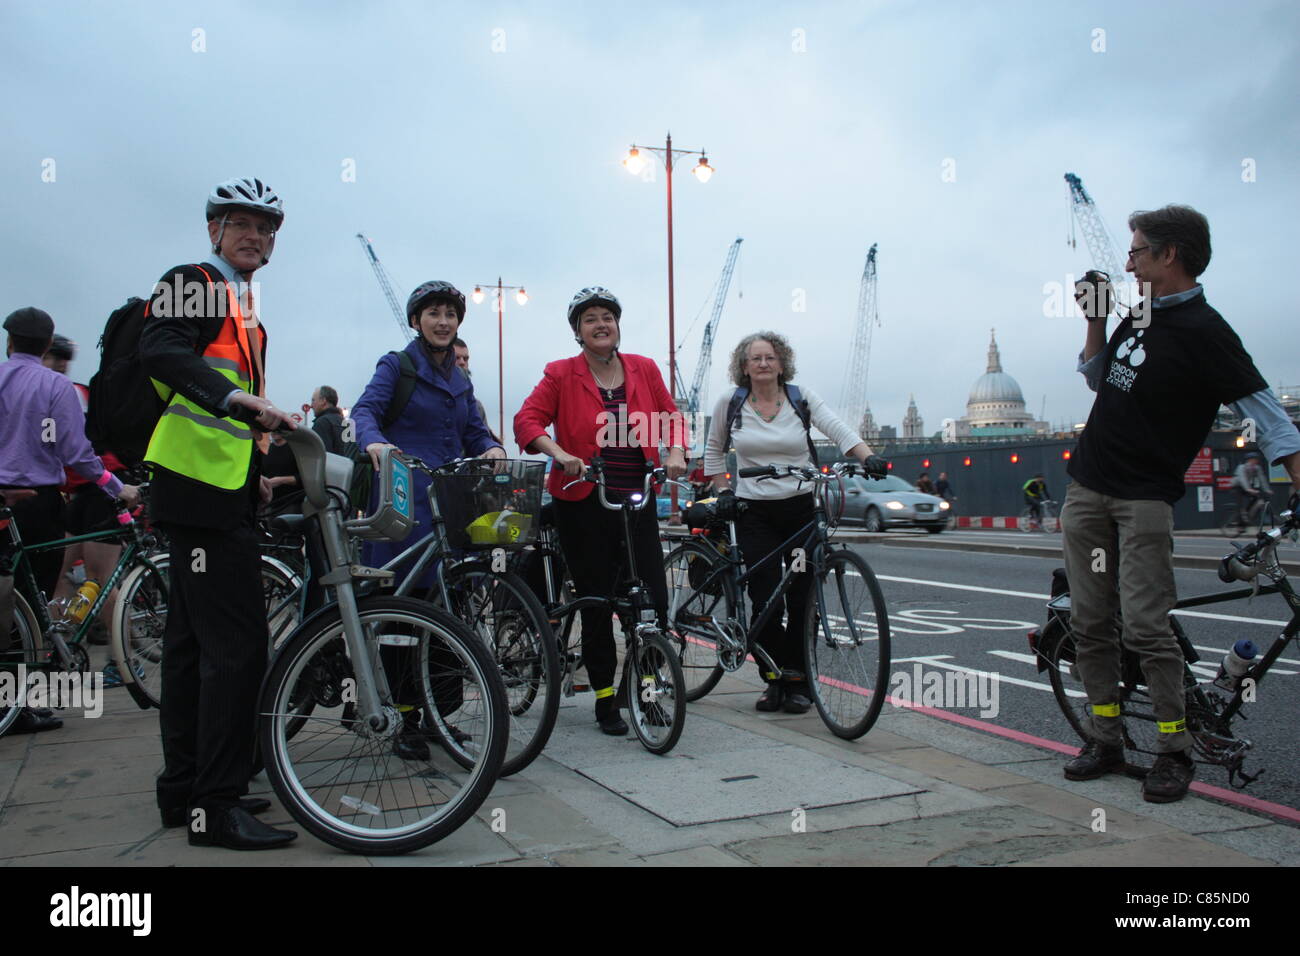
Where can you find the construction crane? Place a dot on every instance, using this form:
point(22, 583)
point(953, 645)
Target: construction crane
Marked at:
point(853, 393)
point(1100, 245)
point(386, 284)
point(696, 396)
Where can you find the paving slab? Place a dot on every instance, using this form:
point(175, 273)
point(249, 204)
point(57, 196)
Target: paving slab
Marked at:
point(601, 856)
point(953, 768)
point(474, 844)
point(539, 824)
point(1081, 810)
point(1281, 844)
point(696, 856)
point(744, 783)
point(89, 769)
point(985, 837)
point(1191, 815)
point(1181, 849)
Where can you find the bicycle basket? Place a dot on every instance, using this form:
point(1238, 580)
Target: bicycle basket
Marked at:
point(485, 509)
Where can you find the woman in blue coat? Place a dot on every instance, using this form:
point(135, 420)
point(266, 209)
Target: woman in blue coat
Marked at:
point(441, 421)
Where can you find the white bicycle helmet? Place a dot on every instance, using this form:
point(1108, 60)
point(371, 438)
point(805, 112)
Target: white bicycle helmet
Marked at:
point(245, 194)
point(593, 295)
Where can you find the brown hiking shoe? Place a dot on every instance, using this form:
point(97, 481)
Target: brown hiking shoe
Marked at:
point(1095, 760)
point(1169, 778)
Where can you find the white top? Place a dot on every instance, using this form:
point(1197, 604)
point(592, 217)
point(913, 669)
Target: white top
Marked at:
point(779, 442)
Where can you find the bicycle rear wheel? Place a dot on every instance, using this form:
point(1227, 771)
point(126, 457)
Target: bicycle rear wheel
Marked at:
point(846, 642)
point(697, 601)
point(139, 623)
point(341, 779)
point(503, 611)
point(21, 649)
point(656, 701)
point(1137, 711)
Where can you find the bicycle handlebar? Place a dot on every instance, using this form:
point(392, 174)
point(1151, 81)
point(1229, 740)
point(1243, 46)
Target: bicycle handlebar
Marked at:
point(1240, 565)
point(808, 473)
point(595, 473)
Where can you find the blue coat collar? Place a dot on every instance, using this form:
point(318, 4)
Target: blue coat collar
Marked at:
point(424, 370)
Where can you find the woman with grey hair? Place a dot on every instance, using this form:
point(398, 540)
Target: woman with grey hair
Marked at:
point(772, 428)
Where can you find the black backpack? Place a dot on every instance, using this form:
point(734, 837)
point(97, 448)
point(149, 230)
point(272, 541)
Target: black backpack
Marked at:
point(797, 401)
point(123, 407)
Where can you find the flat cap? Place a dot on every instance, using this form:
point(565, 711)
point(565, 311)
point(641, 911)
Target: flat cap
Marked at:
point(31, 322)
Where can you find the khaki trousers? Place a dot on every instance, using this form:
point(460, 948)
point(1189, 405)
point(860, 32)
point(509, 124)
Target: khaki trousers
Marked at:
point(1119, 554)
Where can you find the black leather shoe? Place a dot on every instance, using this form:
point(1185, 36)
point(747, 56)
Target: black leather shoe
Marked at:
point(772, 698)
point(179, 816)
point(33, 720)
point(237, 829)
point(1095, 760)
point(1169, 779)
point(608, 718)
point(410, 745)
point(796, 700)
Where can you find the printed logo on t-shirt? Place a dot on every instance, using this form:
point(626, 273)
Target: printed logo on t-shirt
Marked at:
point(1129, 355)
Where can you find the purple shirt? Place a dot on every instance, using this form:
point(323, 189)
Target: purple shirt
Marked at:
point(42, 428)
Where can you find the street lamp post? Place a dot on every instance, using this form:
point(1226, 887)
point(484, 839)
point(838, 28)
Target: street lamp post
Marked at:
point(635, 163)
point(522, 298)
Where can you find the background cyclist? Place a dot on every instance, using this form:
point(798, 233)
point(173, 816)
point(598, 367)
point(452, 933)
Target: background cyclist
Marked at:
point(1250, 483)
point(1035, 491)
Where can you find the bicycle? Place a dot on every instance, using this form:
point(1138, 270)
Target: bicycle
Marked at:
point(1257, 517)
point(846, 630)
point(49, 646)
point(1210, 705)
point(367, 673)
point(140, 620)
point(652, 673)
point(1048, 522)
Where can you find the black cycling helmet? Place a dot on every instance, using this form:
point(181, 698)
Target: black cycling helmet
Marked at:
point(1249, 455)
point(427, 293)
point(593, 295)
point(62, 347)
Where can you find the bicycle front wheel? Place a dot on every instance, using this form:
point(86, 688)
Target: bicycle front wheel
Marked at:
point(698, 601)
point(502, 610)
point(382, 791)
point(656, 700)
point(846, 641)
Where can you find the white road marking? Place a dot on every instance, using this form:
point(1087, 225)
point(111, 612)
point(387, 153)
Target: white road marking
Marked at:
point(939, 660)
point(1044, 598)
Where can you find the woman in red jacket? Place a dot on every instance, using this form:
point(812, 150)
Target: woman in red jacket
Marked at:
point(603, 402)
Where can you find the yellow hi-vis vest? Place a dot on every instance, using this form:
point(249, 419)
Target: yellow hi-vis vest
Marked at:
point(189, 441)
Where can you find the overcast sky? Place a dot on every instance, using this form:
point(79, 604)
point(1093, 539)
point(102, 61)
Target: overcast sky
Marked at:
point(486, 141)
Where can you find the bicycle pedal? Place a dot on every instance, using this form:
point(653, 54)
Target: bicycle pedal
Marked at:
point(581, 688)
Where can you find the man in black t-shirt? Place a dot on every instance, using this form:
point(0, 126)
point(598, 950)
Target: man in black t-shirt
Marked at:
point(1159, 380)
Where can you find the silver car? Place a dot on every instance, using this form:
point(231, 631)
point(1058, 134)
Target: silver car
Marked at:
point(889, 502)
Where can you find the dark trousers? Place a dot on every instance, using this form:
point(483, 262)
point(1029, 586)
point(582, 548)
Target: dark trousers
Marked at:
point(760, 531)
point(592, 539)
point(40, 519)
point(214, 656)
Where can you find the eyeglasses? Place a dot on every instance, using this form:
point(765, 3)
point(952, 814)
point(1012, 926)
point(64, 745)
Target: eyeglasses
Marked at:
point(762, 360)
point(243, 225)
point(1132, 253)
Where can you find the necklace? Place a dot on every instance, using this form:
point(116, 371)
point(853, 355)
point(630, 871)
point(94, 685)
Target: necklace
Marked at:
point(609, 389)
point(754, 401)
